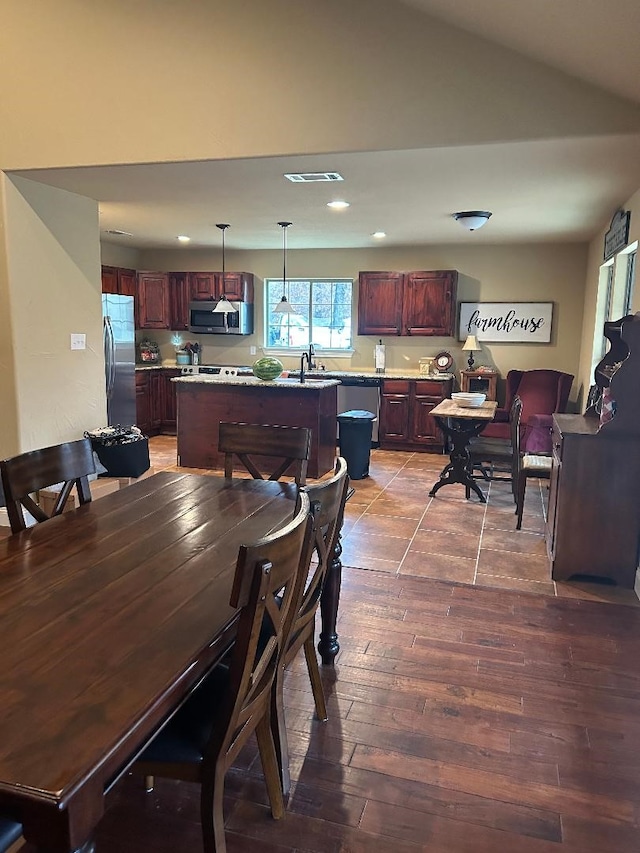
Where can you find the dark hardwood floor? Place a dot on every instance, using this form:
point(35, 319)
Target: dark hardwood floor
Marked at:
point(463, 719)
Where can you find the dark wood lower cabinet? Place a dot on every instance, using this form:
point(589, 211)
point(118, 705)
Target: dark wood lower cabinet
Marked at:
point(406, 422)
point(156, 401)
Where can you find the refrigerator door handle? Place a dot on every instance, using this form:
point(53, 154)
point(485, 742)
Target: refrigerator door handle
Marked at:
point(109, 356)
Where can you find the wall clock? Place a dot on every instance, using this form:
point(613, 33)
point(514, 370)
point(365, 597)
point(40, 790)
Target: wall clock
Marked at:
point(443, 361)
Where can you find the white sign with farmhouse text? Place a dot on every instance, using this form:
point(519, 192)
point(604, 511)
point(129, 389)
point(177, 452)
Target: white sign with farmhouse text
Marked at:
point(522, 322)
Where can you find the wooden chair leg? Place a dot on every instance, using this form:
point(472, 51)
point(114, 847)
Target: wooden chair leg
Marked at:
point(314, 677)
point(211, 811)
point(279, 731)
point(522, 484)
point(270, 768)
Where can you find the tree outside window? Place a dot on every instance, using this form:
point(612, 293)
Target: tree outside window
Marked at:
point(322, 314)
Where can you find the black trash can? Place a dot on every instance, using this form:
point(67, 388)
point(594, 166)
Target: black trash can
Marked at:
point(356, 427)
point(124, 452)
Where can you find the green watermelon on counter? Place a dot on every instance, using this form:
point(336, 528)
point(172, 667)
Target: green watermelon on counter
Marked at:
point(268, 368)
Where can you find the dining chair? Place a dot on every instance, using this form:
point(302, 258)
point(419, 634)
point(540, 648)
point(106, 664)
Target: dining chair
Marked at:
point(287, 447)
point(525, 465)
point(327, 499)
point(493, 457)
point(22, 475)
point(201, 741)
point(10, 832)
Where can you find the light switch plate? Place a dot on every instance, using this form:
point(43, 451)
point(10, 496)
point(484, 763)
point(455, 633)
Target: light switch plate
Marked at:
point(78, 341)
point(252, 350)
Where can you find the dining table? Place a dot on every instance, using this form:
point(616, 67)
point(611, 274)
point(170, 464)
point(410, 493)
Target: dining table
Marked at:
point(460, 424)
point(110, 616)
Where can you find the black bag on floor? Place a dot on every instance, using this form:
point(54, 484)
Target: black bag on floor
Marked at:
point(124, 452)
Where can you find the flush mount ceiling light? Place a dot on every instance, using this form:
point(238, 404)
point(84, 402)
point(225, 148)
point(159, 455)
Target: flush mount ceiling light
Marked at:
point(379, 235)
point(338, 205)
point(472, 219)
point(182, 238)
point(284, 306)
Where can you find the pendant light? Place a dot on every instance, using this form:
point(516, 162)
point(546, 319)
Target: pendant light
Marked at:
point(284, 306)
point(223, 306)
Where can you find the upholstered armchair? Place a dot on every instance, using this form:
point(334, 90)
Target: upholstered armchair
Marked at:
point(542, 392)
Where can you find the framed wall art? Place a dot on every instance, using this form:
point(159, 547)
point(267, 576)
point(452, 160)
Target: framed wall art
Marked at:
point(504, 322)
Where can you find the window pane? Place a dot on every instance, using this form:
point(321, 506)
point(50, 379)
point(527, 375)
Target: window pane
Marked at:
point(322, 314)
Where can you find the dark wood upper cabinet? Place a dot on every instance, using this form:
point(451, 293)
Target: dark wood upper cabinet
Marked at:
point(380, 297)
point(236, 286)
point(109, 279)
point(118, 280)
point(429, 302)
point(179, 298)
point(153, 301)
point(413, 303)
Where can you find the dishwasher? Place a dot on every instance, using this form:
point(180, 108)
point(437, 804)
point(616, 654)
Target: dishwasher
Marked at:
point(360, 392)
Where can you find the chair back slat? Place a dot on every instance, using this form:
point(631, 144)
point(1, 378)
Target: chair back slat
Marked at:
point(69, 464)
point(266, 586)
point(284, 449)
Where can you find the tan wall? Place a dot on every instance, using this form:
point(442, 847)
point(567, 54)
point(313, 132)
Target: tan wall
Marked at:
point(53, 287)
point(120, 82)
point(538, 273)
point(8, 402)
point(594, 263)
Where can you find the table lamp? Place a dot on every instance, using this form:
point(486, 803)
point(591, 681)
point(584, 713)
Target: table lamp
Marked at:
point(470, 346)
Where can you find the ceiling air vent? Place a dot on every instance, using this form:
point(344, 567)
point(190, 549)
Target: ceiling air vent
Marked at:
point(119, 233)
point(311, 177)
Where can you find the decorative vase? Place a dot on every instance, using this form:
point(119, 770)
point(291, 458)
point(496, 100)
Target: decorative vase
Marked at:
point(268, 368)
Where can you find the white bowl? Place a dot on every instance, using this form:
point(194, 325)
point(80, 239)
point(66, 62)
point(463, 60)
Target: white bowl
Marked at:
point(468, 400)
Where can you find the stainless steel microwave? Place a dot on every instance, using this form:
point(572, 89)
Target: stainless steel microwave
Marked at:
point(203, 319)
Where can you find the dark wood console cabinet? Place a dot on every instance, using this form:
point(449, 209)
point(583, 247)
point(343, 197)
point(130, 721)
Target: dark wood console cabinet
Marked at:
point(406, 422)
point(593, 521)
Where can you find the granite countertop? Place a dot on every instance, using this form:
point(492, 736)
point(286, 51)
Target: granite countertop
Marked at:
point(316, 375)
point(254, 382)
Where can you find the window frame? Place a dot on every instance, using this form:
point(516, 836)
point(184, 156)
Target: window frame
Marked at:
point(279, 350)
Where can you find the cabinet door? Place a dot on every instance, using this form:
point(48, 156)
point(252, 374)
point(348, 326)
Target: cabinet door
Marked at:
point(394, 417)
point(236, 286)
point(380, 303)
point(127, 282)
point(169, 418)
point(179, 298)
point(429, 300)
point(157, 398)
point(424, 427)
point(153, 300)
point(109, 280)
point(143, 411)
point(203, 285)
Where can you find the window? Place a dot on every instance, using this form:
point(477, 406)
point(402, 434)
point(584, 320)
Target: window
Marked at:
point(323, 314)
point(615, 296)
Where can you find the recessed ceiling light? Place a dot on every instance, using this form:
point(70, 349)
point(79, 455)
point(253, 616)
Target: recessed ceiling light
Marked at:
point(184, 239)
point(379, 235)
point(338, 205)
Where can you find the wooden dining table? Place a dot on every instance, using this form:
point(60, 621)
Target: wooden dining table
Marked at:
point(110, 615)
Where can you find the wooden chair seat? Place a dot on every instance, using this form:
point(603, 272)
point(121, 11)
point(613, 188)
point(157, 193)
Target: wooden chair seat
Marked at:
point(68, 464)
point(283, 449)
point(204, 737)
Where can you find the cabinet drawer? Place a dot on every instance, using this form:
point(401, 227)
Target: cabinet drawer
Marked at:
point(430, 388)
point(395, 386)
point(556, 441)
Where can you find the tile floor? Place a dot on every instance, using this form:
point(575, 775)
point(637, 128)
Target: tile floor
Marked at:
point(392, 526)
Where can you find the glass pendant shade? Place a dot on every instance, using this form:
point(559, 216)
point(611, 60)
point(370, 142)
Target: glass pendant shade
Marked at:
point(223, 306)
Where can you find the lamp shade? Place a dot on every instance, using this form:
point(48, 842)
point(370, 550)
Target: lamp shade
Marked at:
point(472, 219)
point(224, 307)
point(471, 344)
point(284, 307)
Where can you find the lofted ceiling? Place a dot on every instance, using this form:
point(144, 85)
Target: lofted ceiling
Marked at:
point(546, 189)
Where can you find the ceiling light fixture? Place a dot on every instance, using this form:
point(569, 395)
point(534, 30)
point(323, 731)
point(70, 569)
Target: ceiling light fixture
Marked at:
point(223, 306)
point(472, 219)
point(338, 205)
point(183, 238)
point(284, 306)
point(379, 235)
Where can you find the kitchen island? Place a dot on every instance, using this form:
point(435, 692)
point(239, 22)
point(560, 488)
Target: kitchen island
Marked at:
point(204, 401)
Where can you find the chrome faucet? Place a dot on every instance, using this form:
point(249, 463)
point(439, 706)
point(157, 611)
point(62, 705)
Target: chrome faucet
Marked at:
point(304, 357)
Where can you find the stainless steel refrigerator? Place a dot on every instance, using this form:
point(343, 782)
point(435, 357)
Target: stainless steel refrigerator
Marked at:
point(119, 358)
